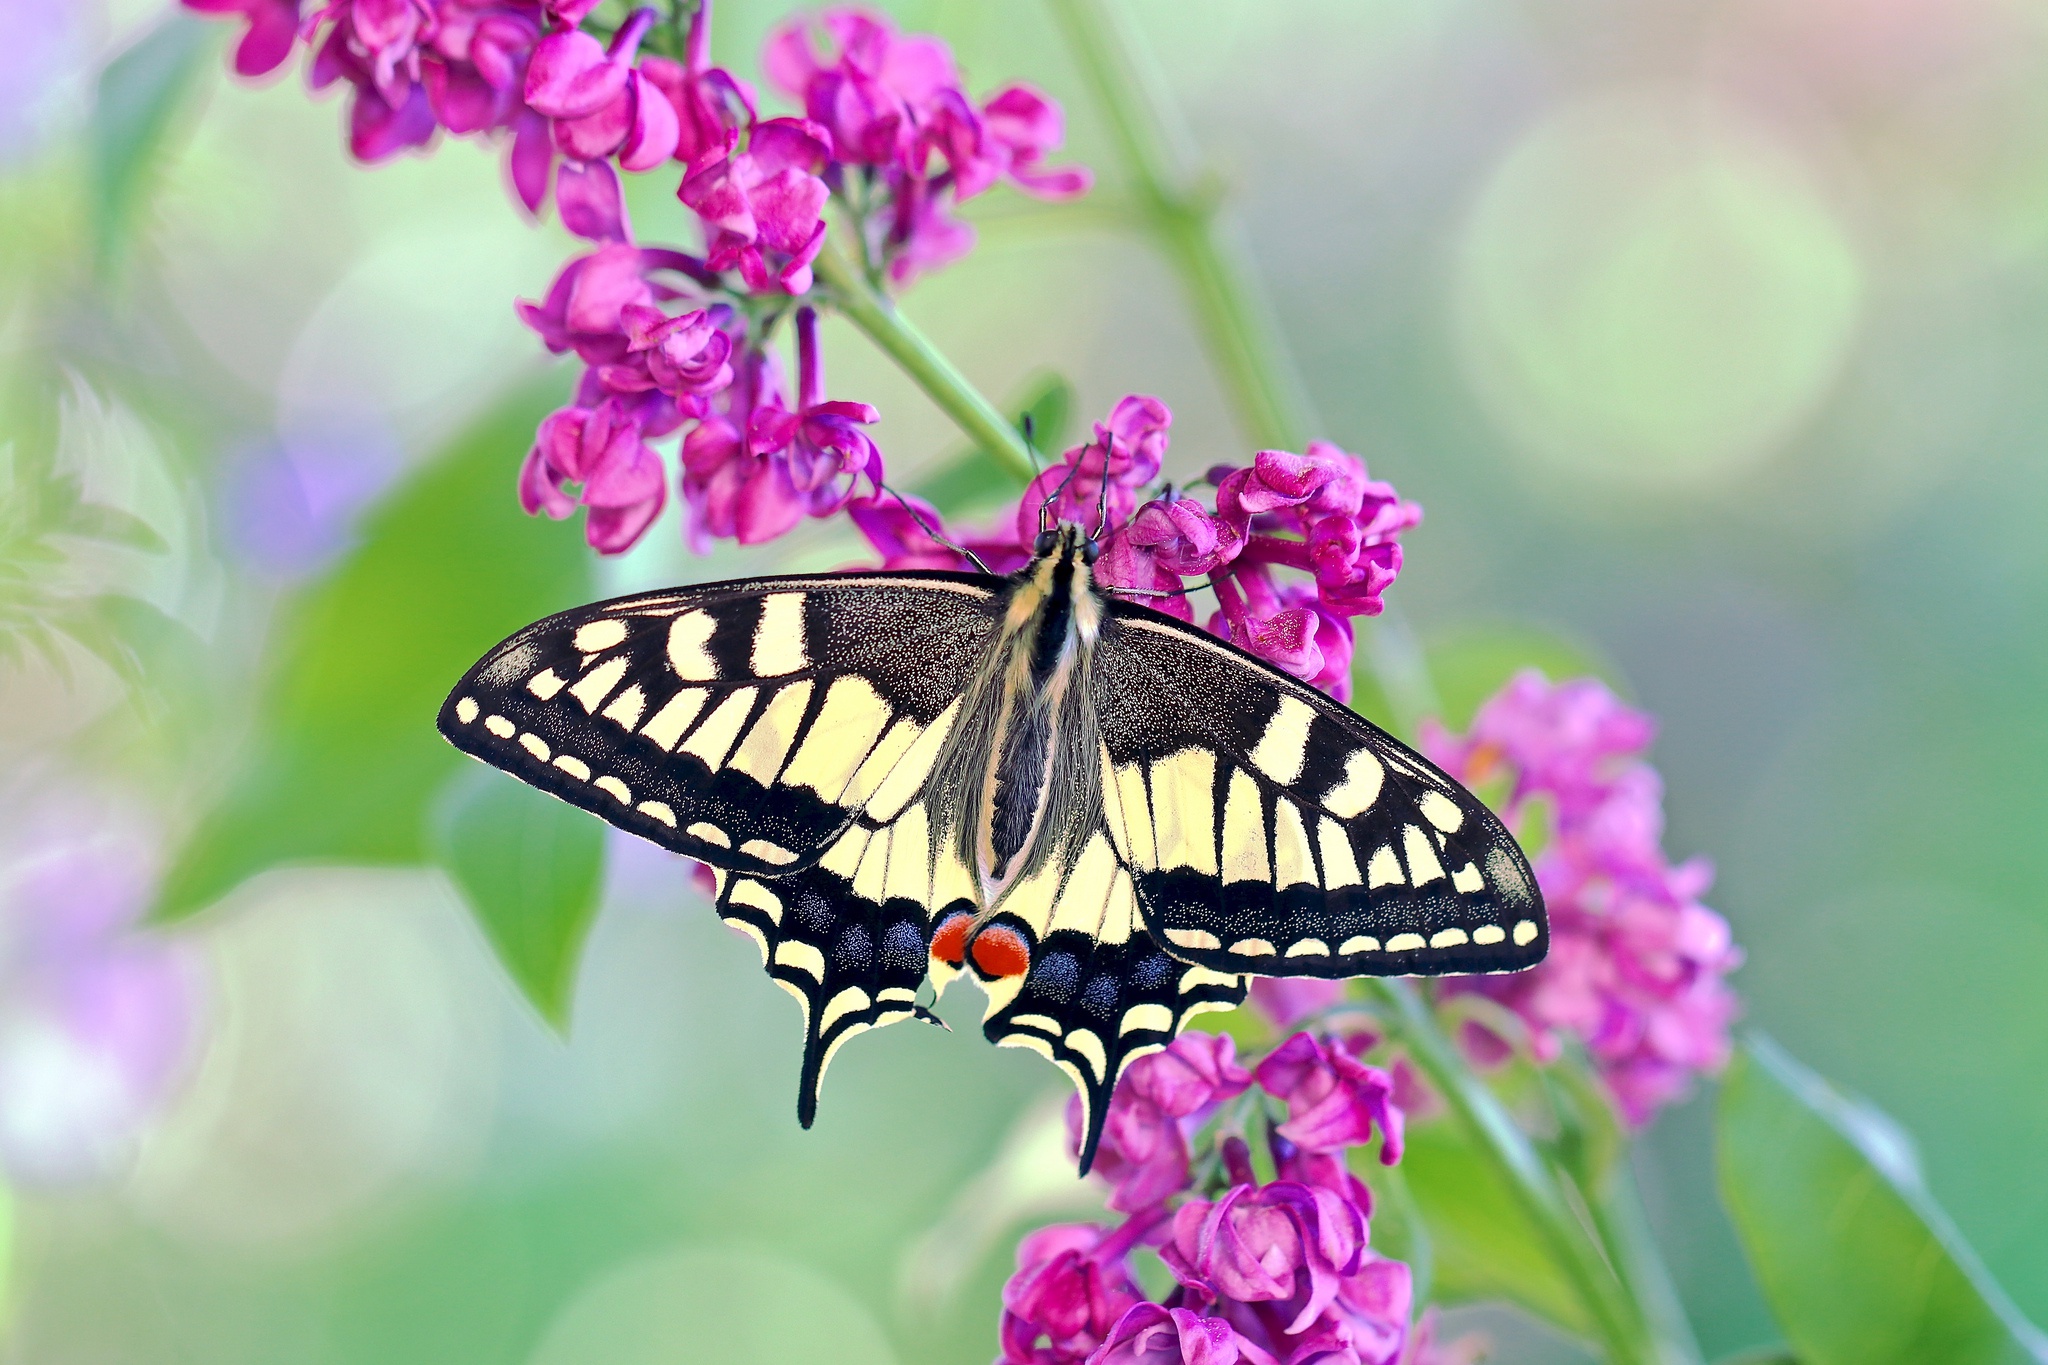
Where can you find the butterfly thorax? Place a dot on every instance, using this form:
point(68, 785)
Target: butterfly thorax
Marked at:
point(1039, 772)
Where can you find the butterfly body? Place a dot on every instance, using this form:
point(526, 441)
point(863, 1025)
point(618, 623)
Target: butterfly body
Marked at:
point(1103, 815)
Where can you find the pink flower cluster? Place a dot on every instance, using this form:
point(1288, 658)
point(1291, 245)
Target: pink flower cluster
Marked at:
point(668, 337)
point(1273, 1272)
point(1637, 967)
point(908, 144)
point(1319, 514)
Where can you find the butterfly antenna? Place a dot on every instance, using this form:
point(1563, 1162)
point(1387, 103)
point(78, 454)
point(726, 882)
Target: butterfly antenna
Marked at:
point(1164, 592)
point(1102, 497)
point(1045, 508)
point(1030, 428)
point(935, 534)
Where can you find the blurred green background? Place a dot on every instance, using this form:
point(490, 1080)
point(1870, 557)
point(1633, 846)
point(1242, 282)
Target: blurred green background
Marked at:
point(1710, 335)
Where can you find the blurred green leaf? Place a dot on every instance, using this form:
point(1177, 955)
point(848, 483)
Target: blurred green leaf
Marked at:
point(532, 868)
point(344, 762)
point(1466, 664)
point(140, 644)
point(140, 94)
point(1470, 662)
point(971, 481)
point(1483, 1247)
point(1858, 1262)
point(1762, 1355)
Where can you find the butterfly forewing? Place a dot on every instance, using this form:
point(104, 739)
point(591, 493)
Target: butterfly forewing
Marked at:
point(1276, 832)
point(743, 724)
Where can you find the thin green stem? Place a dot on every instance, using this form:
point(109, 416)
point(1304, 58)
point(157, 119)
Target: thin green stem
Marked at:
point(1614, 1315)
point(1624, 1228)
point(866, 308)
point(1181, 208)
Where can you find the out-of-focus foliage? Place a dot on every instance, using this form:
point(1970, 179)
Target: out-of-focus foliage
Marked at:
point(345, 763)
point(530, 866)
point(1860, 1264)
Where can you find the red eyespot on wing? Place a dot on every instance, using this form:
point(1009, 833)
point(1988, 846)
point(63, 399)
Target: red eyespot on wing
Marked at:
point(949, 944)
point(1001, 952)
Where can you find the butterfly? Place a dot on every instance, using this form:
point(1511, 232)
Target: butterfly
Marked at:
point(1107, 817)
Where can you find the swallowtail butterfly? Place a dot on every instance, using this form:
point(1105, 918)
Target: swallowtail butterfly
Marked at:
point(1106, 816)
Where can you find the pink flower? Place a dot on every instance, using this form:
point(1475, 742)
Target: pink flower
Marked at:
point(754, 471)
point(1126, 452)
point(1637, 966)
point(1284, 1242)
point(710, 103)
point(1333, 1099)
point(763, 209)
point(686, 358)
point(1161, 1100)
point(1023, 125)
point(1151, 1335)
point(1071, 1287)
point(271, 26)
point(867, 85)
point(601, 105)
point(595, 458)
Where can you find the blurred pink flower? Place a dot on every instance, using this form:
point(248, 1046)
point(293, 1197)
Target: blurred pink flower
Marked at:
point(1637, 967)
point(270, 29)
point(97, 1020)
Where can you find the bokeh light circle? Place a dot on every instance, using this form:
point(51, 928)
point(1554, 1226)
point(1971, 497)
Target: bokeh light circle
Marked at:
point(1650, 292)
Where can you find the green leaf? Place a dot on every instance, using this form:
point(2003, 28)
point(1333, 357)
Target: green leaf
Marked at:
point(1469, 663)
point(1483, 1247)
point(1762, 1355)
point(532, 868)
point(1858, 1262)
point(973, 481)
point(140, 94)
point(344, 761)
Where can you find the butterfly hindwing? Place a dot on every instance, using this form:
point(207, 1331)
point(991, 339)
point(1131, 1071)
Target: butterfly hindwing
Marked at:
point(849, 936)
point(743, 724)
point(1276, 832)
point(1098, 993)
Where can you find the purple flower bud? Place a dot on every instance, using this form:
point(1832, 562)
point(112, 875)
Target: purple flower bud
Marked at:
point(1151, 1335)
point(1071, 1287)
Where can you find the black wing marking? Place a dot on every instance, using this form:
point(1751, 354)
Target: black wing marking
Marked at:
point(849, 936)
point(742, 724)
point(1099, 993)
point(1279, 833)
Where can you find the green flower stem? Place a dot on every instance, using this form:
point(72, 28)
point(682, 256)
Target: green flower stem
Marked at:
point(1615, 1316)
point(1624, 1228)
point(1182, 210)
point(866, 308)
